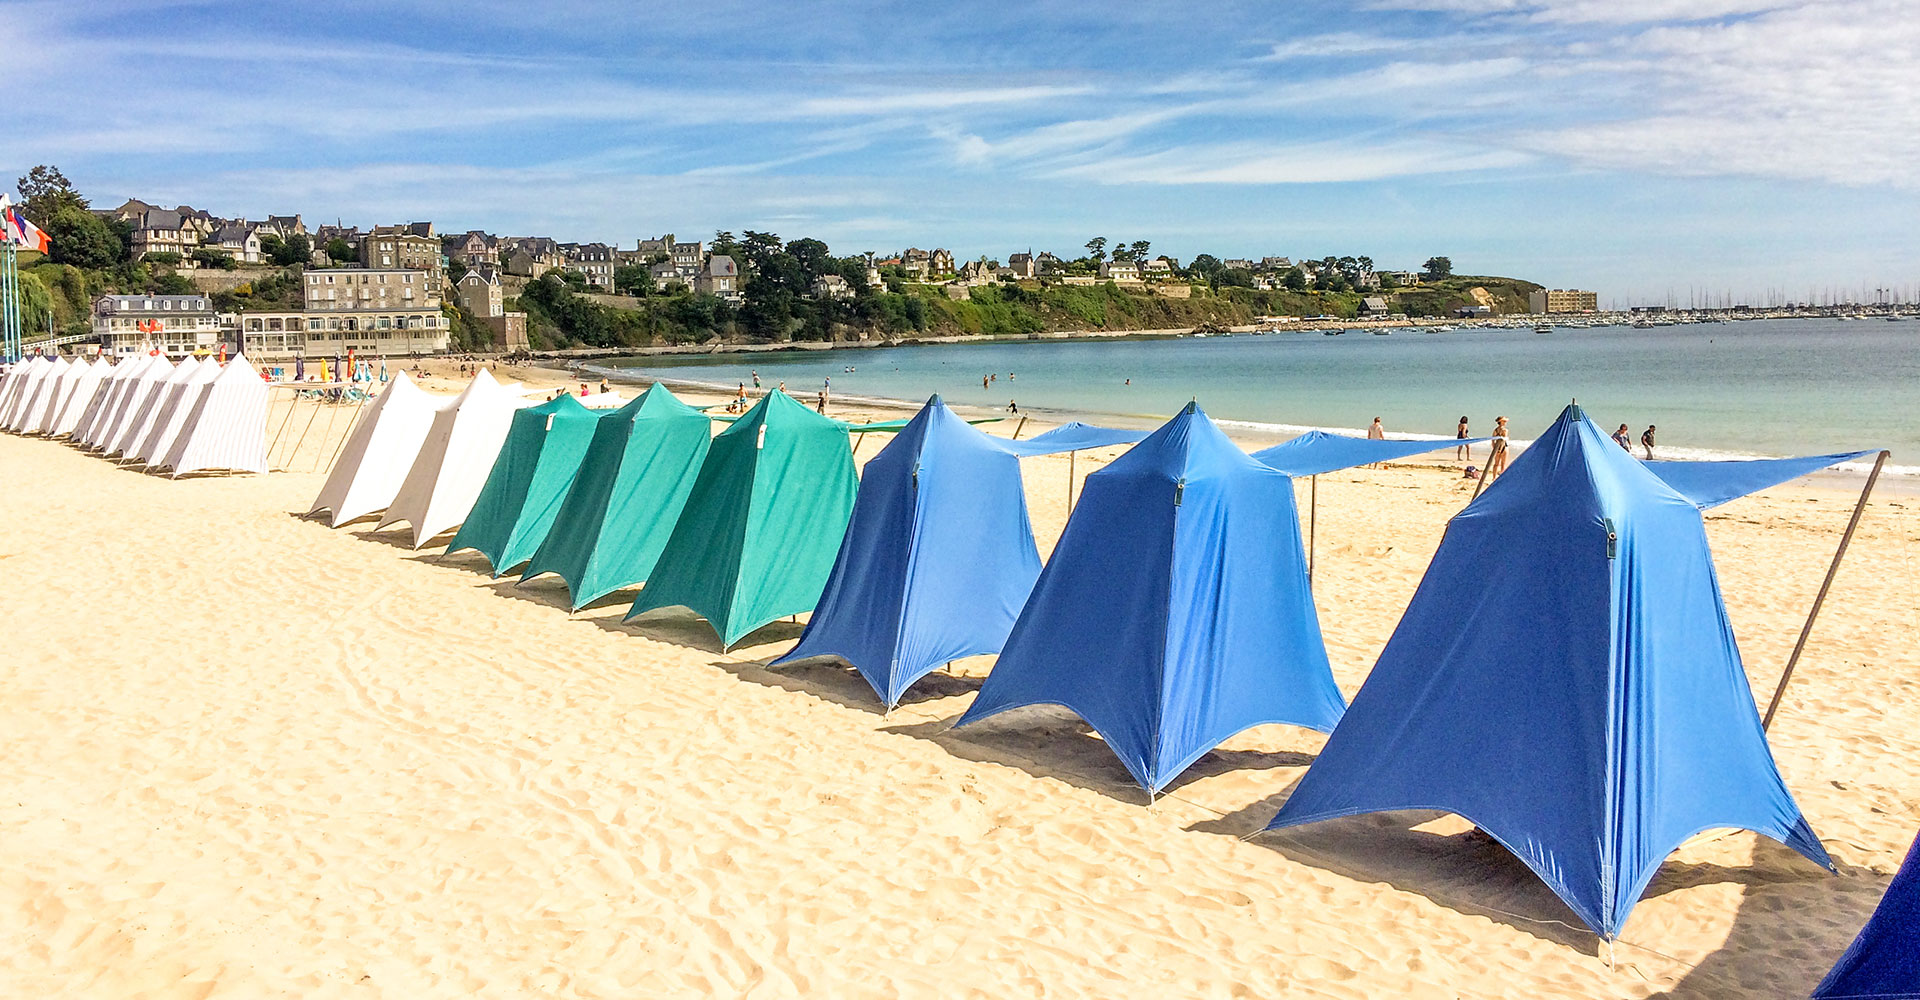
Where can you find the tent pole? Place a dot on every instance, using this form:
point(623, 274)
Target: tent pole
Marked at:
point(1833, 569)
point(333, 415)
point(304, 431)
point(1480, 483)
point(1070, 461)
point(284, 421)
point(1313, 520)
point(1017, 427)
point(351, 423)
point(860, 439)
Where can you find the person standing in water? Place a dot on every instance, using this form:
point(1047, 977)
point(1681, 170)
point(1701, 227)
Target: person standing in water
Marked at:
point(1646, 441)
point(756, 379)
point(1625, 442)
point(1497, 460)
point(1463, 452)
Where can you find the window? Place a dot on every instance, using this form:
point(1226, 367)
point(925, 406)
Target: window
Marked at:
point(313, 324)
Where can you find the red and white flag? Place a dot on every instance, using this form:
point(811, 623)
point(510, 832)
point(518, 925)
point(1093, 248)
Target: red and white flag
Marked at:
point(15, 229)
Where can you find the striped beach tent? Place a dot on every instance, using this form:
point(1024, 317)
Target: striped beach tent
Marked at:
point(106, 399)
point(34, 413)
point(148, 412)
point(226, 426)
point(454, 458)
point(87, 386)
point(181, 394)
point(140, 388)
point(378, 453)
point(21, 386)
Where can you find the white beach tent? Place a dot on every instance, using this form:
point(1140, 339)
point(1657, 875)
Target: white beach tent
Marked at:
point(379, 451)
point(139, 386)
point(180, 396)
point(30, 415)
point(112, 389)
point(455, 459)
point(226, 426)
point(22, 386)
point(16, 377)
point(81, 385)
point(148, 407)
point(59, 389)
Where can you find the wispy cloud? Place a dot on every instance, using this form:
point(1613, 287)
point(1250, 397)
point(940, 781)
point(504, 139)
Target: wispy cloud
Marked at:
point(1298, 163)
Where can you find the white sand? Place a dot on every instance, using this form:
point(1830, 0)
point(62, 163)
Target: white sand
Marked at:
point(249, 756)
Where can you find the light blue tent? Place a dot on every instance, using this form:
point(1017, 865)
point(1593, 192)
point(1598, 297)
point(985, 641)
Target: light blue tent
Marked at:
point(1175, 611)
point(939, 556)
point(1566, 679)
point(1316, 452)
point(1710, 484)
point(1073, 436)
point(1883, 963)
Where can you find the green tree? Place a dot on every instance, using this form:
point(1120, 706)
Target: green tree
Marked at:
point(271, 247)
point(1206, 267)
point(208, 257)
point(1140, 249)
point(79, 237)
point(1437, 268)
point(1097, 248)
point(633, 279)
point(172, 283)
point(44, 192)
point(291, 252)
point(1295, 280)
point(340, 250)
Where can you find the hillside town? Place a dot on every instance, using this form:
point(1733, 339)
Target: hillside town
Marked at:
point(184, 279)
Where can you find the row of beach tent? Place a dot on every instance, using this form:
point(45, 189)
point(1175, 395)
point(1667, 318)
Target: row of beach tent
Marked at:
point(195, 416)
point(1565, 677)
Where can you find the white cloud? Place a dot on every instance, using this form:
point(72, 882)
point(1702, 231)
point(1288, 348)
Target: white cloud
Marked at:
point(1295, 163)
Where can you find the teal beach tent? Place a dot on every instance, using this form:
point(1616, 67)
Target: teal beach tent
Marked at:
point(758, 535)
point(623, 502)
point(1175, 611)
point(937, 560)
point(1565, 678)
point(537, 463)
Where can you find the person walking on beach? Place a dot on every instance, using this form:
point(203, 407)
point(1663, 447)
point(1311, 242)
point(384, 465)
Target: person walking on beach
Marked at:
point(1376, 432)
point(756, 379)
point(604, 387)
point(823, 401)
point(1013, 407)
point(1463, 452)
point(1497, 460)
point(1621, 438)
point(1646, 441)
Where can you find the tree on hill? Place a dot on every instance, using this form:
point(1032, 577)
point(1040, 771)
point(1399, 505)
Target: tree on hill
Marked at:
point(1437, 268)
point(633, 279)
point(339, 250)
point(1206, 267)
point(1295, 280)
point(291, 252)
point(81, 238)
point(1097, 248)
point(1140, 248)
point(44, 192)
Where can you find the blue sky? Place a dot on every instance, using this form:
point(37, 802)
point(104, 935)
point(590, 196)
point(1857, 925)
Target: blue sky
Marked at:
point(1644, 148)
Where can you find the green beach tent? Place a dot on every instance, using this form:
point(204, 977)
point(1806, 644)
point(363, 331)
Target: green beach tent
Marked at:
point(529, 480)
point(631, 484)
point(763, 525)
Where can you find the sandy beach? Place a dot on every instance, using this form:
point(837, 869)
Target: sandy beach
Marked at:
point(250, 756)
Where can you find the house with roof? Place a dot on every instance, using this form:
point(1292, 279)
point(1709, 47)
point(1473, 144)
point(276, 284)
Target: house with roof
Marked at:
point(721, 277)
point(1120, 272)
point(478, 292)
point(916, 262)
point(238, 239)
point(831, 286)
point(667, 275)
point(595, 260)
point(411, 247)
point(1159, 268)
point(1374, 305)
point(1021, 265)
point(472, 248)
point(533, 256)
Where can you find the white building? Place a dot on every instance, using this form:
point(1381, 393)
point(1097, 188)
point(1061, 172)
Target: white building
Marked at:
point(177, 324)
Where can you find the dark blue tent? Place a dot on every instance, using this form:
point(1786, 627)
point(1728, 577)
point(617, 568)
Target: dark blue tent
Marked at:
point(936, 562)
point(1566, 679)
point(1883, 963)
point(1710, 484)
point(1175, 611)
point(1316, 452)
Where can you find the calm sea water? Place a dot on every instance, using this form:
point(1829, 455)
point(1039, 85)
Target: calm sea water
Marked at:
point(1756, 388)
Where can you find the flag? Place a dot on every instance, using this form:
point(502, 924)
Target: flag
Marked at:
point(23, 233)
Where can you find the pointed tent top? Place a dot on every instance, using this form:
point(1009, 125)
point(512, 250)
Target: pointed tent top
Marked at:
point(935, 400)
point(237, 369)
point(563, 403)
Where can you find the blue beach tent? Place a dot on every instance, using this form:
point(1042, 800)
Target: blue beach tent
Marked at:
point(936, 562)
point(1710, 484)
point(1566, 679)
point(1072, 436)
point(1316, 452)
point(1883, 963)
point(1175, 611)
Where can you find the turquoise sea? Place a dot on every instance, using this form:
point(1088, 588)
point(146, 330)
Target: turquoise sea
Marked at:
point(1737, 389)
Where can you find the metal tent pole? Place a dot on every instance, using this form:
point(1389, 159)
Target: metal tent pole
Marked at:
point(1070, 457)
point(1833, 569)
point(1313, 520)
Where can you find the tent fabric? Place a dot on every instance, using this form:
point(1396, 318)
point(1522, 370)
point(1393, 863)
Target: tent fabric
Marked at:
point(104, 401)
point(1883, 962)
point(34, 412)
point(24, 386)
point(60, 390)
point(1316, 452)
point(626, 497)
point(455, 458)
point(1074, 436)
point(378, 453)
point(133, 405)
point(1710, 484)
point(225, 426)
point(1175, 610)
point(171, 416)
point(1566, 679)
point(528, 481)
point(762, 526)
point(602, 400)
point(937, 560)
point(136, 429)
point(87, 388)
